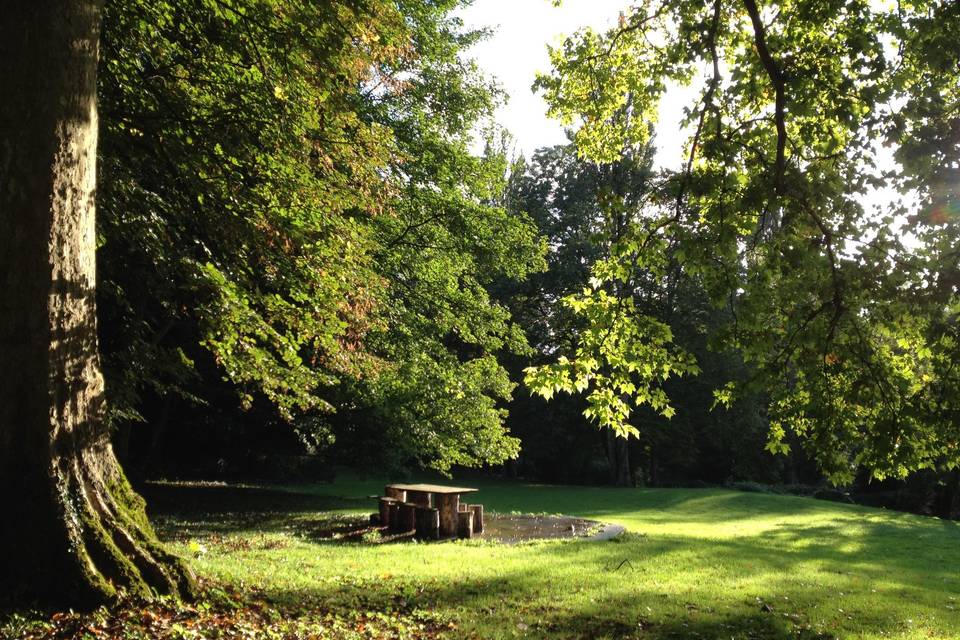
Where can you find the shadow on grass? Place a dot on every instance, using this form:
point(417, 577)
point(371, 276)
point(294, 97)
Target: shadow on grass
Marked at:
point(165, 498)
point(188, 510)
point(509, 601)
point(624, 599)
point(914, 563)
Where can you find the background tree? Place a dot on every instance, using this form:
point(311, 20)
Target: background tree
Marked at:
point(573, 200)
point(293, 224)
point(825, 302)
point(73, 529)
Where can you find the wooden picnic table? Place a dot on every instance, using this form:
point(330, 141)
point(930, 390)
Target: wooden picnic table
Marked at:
point(446, 500)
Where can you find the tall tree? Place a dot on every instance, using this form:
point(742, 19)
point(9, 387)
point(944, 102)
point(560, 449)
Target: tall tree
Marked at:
point(73, 529)
point(291, 205)
point(584, 209)
point(843, 323)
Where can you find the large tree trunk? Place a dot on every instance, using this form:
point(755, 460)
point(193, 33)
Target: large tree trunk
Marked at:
point(72, 529)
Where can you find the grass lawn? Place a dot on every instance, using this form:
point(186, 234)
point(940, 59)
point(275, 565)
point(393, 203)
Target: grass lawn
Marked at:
point(693, 564)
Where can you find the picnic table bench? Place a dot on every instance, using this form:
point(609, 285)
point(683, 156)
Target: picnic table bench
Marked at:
point(445, 500)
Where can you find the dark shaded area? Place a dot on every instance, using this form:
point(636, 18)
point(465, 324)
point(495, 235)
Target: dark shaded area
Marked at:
point(183, 511)
point(219, 499)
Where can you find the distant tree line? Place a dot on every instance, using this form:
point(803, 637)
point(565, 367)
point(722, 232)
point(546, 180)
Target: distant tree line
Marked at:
point(570, 200)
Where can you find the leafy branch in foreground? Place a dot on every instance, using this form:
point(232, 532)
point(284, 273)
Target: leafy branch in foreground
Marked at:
point(292, 217)
point(775, 213)
point(622, 358)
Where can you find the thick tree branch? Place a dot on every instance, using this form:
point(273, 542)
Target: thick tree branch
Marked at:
point(778, 80)
point(707, 101)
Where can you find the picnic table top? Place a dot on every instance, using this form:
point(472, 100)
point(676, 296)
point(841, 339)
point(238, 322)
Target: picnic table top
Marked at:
point(432, 488)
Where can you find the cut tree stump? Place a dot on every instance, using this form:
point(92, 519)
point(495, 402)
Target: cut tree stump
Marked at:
point(477, 517)
point(385, 511)
point(406, 516)
point(448, 505)
point(397, 494)
point(393, 515)
point(428, 523)
point(465, 524)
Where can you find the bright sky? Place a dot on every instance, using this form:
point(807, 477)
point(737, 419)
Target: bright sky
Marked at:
point(518, 50)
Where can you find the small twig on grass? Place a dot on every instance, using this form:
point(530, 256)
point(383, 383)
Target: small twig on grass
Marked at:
point(623, 562)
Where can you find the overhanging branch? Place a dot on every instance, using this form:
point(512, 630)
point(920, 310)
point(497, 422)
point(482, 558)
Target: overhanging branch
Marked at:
point(778, 81)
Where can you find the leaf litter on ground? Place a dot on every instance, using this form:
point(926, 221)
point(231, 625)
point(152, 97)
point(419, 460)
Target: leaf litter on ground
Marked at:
point(228, 613)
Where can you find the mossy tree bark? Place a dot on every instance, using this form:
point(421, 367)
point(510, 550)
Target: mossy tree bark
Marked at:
point(72, 531)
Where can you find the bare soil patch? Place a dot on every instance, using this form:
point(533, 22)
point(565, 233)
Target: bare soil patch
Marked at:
point(520, 528)
point(506, 528)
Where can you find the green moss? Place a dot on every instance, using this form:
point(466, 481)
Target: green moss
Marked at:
point(110, 560)
point(91, 581)
point(132, 513)
point(133, 506)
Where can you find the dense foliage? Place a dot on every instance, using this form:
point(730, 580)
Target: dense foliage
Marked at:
point(290, 217)
point(292, 222)
point(570, 200)
point(848, 328)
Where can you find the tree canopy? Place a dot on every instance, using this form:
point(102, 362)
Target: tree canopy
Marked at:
point(571, 200)
point(303, 248)
point(289, 203)
point(848, 327)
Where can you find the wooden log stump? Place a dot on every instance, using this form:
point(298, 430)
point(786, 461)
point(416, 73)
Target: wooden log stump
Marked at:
point(428, 523)
point(465, 524)
point(393, 511)
point(385, 511)
point(477, 517)
point(397, 494)
point(419, 498)
point(406, 516)
point(448, 505)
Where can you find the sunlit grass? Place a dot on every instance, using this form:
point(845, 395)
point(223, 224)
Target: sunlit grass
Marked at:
point(693, 563)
